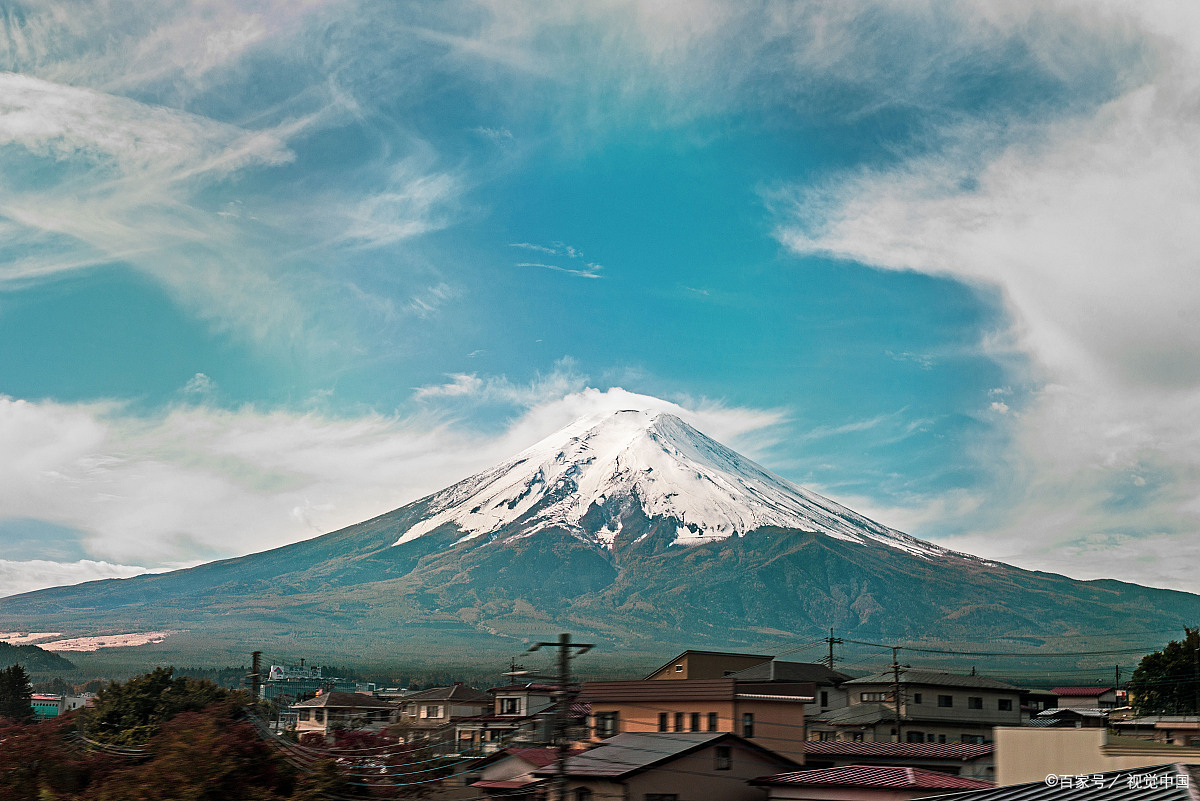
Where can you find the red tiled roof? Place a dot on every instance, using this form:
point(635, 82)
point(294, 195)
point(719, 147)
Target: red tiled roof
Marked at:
point(541, 757)
point(1082, 691)
point(876, 776)
point(964, 751)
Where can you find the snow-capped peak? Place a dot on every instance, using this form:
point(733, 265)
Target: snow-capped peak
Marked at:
point(652, 458)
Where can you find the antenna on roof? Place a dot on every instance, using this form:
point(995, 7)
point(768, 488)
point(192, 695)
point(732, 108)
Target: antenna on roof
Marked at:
point(514, 669)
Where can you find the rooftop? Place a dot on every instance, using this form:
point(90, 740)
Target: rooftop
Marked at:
point(962, 751)
point(935, 678)
point(1082, 692)
point(335, 699)
point(775, 670)
point(455, 692)
point(633, 752)
point(883, 776)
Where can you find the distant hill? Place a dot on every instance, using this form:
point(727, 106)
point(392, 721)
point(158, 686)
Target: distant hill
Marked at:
point(631, 530)
point(32, 658)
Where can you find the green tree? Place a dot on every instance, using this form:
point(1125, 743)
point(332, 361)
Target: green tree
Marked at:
point(15, 694)
point(1168, 681)
point(130, 713)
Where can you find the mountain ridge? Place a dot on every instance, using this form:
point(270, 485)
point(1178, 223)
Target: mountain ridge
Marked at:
point(371, 588)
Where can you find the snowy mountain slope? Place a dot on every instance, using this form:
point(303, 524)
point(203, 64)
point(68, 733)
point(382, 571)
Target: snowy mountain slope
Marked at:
point(655, 460)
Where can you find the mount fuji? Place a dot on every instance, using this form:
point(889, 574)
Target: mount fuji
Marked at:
point(631, 528)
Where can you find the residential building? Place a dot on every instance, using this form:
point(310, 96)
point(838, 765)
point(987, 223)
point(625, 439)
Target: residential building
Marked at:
point(297, 682)
point(669, 766)
point(1173, 729)
point(520, 713)
point(334, 710)
point(933, 707)
point(706, 665)
point(432, 714)
point(829, 694)
point(863, 783)
point(1086, 697)
point(769, 713)
point(508, 773)
point(974, 760)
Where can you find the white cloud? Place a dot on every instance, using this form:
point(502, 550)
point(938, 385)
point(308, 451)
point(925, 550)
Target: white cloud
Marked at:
point(1088, 225)
point(201, 483)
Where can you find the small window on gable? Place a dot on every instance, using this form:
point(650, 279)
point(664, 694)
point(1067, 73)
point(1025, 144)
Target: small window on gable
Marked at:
point(679, 668)
point(722, 757)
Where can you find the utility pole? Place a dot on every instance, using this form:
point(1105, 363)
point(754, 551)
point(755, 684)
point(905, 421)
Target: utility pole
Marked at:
point(562, 706)
point(832, 642)
point(896, 686)
point(255, 674)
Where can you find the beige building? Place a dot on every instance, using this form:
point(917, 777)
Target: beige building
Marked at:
point(770, 714)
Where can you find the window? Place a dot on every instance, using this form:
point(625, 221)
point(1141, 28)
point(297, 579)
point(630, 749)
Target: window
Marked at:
point(974, 702)
point(661, 797)
point(945, 700)
point(824, 698)
point(695, 722)
point(607, 724)
point(431, 711)
point(319, 716)
point(941, 738)
point(972, 738)
point(678, 721)
point(712, 721)
point(869, 697)
point(748, 724)
point(856, 736)
point(1005, 704)
point(509, 706)
point(679, 668)
point(582, 794)
point(827, 736)
point(304, 715)
point(662, 721)
point(914, 737)
point(722, 758)
point(916, 698)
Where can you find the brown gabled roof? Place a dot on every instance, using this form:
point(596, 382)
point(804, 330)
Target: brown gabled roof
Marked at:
point(1082, 692)
point(626, 754)
point(456, 692)
point(669, 662)
point(353, 700)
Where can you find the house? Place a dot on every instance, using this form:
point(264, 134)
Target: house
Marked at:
point(933, 707)
point(1086, 697)
point(863, 783)
point(508, 774)
point(1174, 729)
point(829, 694)
point(685, 766)
point(431, 714)
point(46, 706)
point(706, 665)
point(520, 713)
point(769, 713)
point(974, 760)
point(1168, 782)
point(334, 710)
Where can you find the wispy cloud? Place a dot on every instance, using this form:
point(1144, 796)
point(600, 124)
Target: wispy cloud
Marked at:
point(579, 266)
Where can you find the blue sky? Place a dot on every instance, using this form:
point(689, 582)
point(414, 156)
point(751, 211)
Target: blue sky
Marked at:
point(268, 269)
